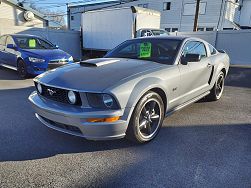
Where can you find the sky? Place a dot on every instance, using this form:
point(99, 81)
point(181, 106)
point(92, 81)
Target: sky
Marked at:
point(60, 5)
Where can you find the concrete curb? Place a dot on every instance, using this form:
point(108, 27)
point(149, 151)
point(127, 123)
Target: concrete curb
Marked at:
point(241, 66)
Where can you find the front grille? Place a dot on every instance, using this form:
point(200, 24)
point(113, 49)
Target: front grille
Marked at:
point(55, 65)
point(57, 94)
point(59, 61)
point(63, 126)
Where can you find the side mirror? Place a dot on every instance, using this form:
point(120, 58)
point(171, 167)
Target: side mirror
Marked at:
point(56, 46)
point(11, 46)
point(190, 58)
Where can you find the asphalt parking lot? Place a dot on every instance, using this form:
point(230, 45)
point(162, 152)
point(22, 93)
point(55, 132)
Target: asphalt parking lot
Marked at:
point(207, 144)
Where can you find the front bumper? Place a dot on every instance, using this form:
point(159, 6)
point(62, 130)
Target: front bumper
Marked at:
point(72, 120)
point(39, 68)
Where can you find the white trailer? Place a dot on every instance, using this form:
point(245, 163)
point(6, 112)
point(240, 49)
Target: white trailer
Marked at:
point(102, 30)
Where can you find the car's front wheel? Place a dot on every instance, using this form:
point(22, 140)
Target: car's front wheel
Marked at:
point(22, 69)
point(146, 119)
point(217, 90)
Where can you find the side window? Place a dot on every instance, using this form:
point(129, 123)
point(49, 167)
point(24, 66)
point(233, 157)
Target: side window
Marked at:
point(212, 49)
point(195, 47)
point(2, 40)
point(9, 41)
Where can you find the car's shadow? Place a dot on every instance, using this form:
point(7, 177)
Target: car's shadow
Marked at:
point(9, 74)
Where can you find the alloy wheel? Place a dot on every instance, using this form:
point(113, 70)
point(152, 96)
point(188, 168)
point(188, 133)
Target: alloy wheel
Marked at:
point(150, 118)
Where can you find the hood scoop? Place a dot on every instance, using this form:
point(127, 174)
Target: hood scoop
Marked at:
point(98, 62)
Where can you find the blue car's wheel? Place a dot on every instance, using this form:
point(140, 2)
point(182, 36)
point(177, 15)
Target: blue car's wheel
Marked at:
point(22, 69)
point(146, 119)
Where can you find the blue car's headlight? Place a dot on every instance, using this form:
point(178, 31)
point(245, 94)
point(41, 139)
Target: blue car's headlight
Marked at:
point(36, 60)
point(101, 101)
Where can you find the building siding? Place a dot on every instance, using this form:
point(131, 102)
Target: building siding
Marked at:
point(215, 13)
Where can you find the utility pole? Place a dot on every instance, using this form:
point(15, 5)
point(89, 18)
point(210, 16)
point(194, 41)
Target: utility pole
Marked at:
point(195, 26)
point(68, 16)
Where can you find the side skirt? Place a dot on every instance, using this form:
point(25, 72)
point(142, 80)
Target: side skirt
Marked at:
point(8, 66)
point(187, 103)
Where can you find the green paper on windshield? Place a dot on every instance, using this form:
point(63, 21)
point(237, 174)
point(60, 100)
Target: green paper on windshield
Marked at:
point(145, 50)
point(32, 43)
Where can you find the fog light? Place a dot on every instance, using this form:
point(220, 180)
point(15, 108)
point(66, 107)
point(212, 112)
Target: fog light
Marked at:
point(72, 97)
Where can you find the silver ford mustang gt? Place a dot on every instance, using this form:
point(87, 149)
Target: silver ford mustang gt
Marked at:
point(130, 90)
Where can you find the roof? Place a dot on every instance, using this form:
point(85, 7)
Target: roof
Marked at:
point(24, 35)
point(36, 13)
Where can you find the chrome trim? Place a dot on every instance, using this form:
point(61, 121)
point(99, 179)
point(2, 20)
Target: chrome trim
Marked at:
point(8, 66)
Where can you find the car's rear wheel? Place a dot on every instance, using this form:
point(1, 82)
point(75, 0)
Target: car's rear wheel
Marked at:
point(217, 90)
point(146, 119)
point(22, 69)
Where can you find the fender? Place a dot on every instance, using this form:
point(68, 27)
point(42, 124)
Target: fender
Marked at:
point(134, 93)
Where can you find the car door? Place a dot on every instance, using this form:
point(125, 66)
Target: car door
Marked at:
point(194, 76)
point(11, 54)
point(2, 49)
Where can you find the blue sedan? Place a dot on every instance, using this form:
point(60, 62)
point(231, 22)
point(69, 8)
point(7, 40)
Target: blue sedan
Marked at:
point(30, 55)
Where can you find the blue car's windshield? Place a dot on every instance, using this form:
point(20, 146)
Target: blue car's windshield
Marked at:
point(33, 43)
point(158, 50)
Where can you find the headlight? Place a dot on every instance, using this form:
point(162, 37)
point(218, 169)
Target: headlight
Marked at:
point(71, 58)
point(107, 100)
point(72, 97)
point(39, 88)
point(36, 60)
point(101, 101)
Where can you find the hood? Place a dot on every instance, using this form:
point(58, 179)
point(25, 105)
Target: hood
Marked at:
point(95, 75)
point(47, 53)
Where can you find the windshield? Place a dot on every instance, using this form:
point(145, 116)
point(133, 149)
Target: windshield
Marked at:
point(159, 32)
point(33, 43)
point(158, 50)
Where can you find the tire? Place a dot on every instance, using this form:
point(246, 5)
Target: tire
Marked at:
point(147, 119)
point(217, 90)
point(22, 69)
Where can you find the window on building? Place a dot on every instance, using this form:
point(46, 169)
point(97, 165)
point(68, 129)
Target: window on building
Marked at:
point(168, 29)
point(200, 29)
point(174, 29)
point(195, 47)
point(189, 8)
point(72, 17)
point(167, 6)
point(209, 29)
point(212, 49)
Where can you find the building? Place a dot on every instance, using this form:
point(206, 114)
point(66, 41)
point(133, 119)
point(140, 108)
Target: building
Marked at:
point(13, 13)
point(178, 15)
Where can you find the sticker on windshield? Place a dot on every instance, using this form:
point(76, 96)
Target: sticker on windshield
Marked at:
point(145, 50)
point(32, 43)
